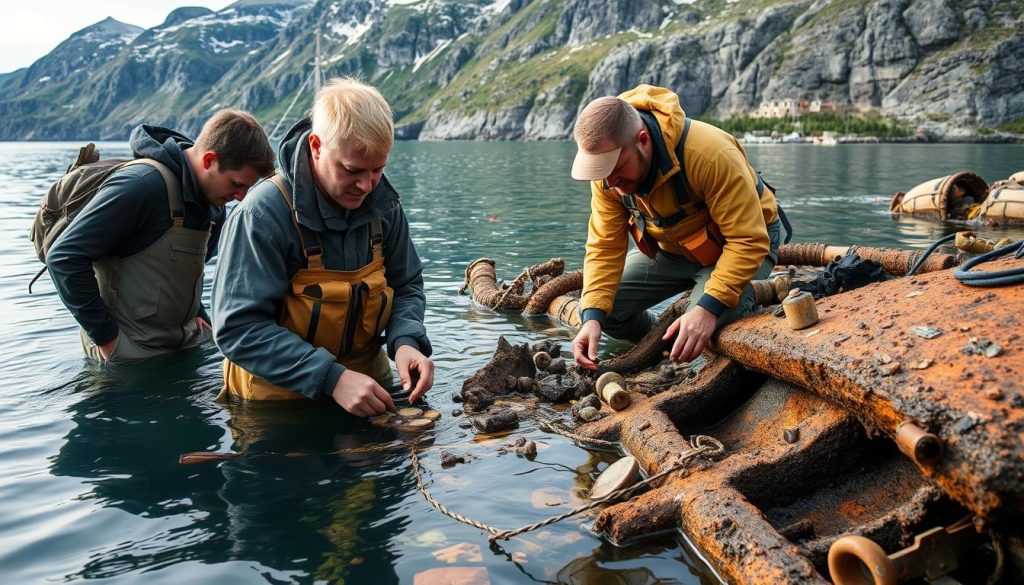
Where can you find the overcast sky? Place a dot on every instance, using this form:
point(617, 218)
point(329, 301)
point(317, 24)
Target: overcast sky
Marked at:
point(30, 29)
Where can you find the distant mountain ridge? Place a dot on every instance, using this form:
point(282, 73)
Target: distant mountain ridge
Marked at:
point(522, 69)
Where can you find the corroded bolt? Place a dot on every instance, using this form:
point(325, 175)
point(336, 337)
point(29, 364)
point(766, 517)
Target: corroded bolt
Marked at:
point(921, 446)
point(791, 435)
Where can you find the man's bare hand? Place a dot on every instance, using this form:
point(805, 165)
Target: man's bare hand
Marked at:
point(584, 346)
point(108, 348)
point(692, 332)
point(203, 324)
point(361, 395)
point(408, 359)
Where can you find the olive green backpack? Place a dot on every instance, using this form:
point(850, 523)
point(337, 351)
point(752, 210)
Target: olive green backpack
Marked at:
point(69, 195)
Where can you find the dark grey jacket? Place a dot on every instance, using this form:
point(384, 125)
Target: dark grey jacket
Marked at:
point(126, 216)
point(261, 251)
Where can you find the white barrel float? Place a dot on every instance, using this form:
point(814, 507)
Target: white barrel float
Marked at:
point(950, 197)
point(1004, 204)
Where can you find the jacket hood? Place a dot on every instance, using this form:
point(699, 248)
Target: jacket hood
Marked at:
point(160, 144)
point(664, 106)
point(313, 210)
point(167, 146)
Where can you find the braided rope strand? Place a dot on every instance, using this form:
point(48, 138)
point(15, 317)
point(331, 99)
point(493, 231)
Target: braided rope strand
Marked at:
point(701, 445)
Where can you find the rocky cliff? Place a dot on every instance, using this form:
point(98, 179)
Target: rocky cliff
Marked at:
point(522, 69)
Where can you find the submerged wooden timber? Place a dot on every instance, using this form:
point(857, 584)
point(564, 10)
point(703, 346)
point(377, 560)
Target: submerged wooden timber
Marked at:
point(890, 433)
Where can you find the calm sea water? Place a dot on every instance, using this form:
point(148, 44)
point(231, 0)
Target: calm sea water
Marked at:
point(91, 487)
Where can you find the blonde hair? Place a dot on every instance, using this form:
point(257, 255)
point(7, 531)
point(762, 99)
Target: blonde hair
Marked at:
point(606, 118)
point(346, 111)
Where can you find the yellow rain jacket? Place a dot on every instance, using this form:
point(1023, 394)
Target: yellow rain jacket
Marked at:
point(724, 187)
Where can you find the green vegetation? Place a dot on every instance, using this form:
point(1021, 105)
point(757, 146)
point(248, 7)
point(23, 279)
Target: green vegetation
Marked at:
point(831, 11)
point(1016, 126)
point(815, 124)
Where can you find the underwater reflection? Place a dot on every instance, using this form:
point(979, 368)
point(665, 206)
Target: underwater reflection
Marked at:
point(638, 564)
point(313, 489)
point(327, 483)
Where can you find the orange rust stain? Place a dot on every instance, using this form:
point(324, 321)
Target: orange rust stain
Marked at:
point(853, 510)
point(871, 354)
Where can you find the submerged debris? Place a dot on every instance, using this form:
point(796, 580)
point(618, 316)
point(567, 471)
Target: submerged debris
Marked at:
point(926, 332)
point(494, 423)
point(449, 459)
point(985, 347)
point(407, 419)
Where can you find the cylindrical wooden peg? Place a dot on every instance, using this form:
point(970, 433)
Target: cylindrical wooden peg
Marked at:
point(611, 390)
point(800, 310)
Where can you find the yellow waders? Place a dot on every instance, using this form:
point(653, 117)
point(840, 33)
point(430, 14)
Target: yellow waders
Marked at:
point(343, 311)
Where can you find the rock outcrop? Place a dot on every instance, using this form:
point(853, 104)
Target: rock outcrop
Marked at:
point(522, 69)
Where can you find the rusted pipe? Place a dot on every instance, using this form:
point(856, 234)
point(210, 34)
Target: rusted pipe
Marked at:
point(918, 444)
point(770, 292)
point(565, 309)
point(895, 261)
point(541, 299)
point(647, 351)
point(482, 281)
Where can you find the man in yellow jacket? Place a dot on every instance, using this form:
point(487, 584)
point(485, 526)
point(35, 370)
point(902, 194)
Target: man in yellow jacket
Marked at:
point(700, 215)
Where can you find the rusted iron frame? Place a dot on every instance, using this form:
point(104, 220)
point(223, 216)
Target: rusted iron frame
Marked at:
point(983, 471)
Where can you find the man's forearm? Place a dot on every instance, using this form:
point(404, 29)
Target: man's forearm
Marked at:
point(76, 284)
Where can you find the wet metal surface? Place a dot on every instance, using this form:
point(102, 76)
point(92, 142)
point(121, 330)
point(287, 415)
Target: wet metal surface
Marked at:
point(864, 355)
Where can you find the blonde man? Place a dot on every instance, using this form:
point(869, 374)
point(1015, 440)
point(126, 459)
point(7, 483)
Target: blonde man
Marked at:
point(318, 275)
point(700, 216)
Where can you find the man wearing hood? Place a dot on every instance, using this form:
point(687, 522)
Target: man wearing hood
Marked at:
point(130, 265)
point(318, 270)
point(700, 216)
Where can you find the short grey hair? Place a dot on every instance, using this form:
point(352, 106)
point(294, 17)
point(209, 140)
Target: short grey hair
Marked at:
point(607, 118)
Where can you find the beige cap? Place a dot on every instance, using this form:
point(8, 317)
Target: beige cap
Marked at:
point(594, 167)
